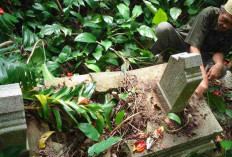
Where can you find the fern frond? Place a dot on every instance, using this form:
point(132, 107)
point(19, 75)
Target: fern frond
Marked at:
point(13, 71)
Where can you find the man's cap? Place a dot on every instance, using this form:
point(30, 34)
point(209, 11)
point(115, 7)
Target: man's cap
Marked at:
point(228, 7)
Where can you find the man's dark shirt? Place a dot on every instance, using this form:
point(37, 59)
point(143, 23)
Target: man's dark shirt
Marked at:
point(202, 32)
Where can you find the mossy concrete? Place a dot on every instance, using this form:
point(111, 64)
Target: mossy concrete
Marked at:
point(12, 117)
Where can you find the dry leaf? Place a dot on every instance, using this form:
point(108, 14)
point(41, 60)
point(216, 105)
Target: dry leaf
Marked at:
point(140, 146)
point(83, 100)
point(44, 138)
point(149, 142)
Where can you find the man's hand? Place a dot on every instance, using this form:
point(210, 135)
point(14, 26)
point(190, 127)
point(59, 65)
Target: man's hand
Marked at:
point(215, 71)
point(202, 88)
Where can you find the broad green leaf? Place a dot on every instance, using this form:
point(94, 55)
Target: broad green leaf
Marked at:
point(86, 38)
point(38, 6)
point(150, 7)
point(175, 12)
point(77, 15)
point(92, 24)
point(89, 131)
point(112, 61)
point(67, 49)
point(216, 101)
point(119, 39)
point(97, 148)
point(119, 117)
point(58, 119)
point(124, 10)
point(52, 5)
point(92, 3)
point(96, 18)
point(108, 19)
point(174, 117)
point(127, 2)
point(55, 29)
point(123, 96)
point(107, 44)
point(160, 16)
point(147, 32)
point(189, 2)
point(98, 52)
point(193, 10)
point(137, 10)
point(227, 145)
point(229, 113)
point(93, 67)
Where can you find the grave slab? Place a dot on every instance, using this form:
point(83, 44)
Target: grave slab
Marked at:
point(12, 117)
point(147, 78)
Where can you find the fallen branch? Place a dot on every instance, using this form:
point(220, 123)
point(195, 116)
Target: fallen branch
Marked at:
point(115, 129)
point(6, 43)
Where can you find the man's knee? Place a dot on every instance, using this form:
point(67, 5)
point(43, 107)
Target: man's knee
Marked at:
point(163, 29)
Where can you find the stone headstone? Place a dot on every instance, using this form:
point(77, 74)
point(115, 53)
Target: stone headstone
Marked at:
point(13, 128)
point(179, 81)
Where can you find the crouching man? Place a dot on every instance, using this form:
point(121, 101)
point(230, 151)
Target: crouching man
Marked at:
point(208, 34)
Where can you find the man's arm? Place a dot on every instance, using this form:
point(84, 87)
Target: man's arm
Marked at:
point(203, 86)
point(216, 70)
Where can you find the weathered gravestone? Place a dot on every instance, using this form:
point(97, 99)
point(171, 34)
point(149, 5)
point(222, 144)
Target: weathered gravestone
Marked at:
point(179, 81)
point(147, 78)
point(13, 128)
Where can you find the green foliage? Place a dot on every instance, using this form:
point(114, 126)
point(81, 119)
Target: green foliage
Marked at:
point(11, 151)
point(64, 110)
point(123, 96)
point(216, 101)
point(160, 16)
point(119, 117)
point(227, 145)
point(89, 131)
point(13, 71)
point(174, 117)
point(97, 148)
point(81, 36)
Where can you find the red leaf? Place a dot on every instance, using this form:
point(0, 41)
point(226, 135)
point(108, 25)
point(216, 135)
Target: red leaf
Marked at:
point(216, 92)
point(225, 63)
point(1, 11)
point(69, 74)
point(140, 146)
point(83, 100)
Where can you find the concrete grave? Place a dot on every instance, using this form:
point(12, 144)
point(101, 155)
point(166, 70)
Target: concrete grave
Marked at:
point(147, 79)
point(179, 81)
point(13, 128)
